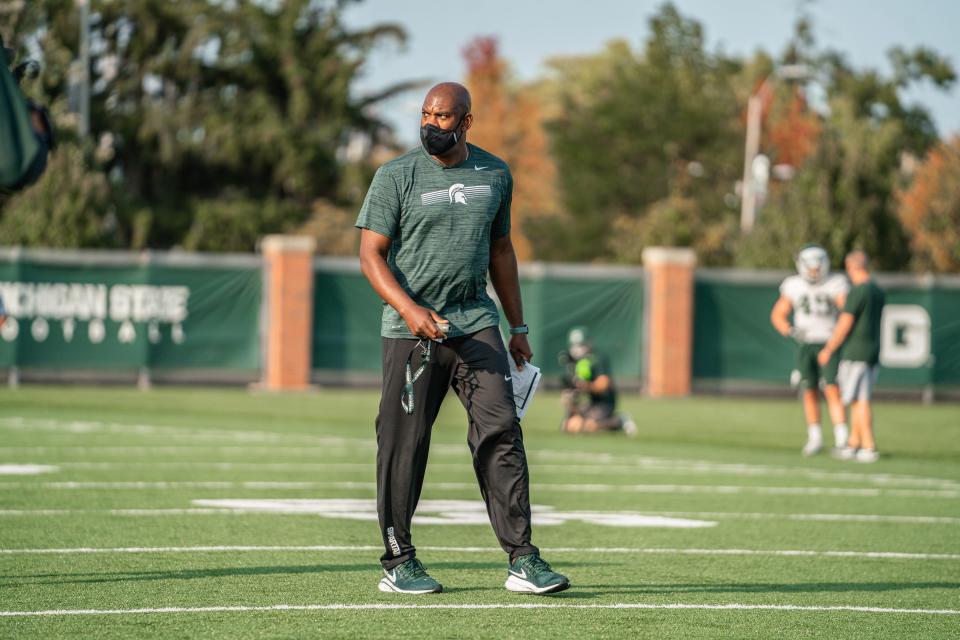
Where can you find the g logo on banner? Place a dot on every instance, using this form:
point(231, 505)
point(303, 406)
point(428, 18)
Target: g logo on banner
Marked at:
point(905, 336)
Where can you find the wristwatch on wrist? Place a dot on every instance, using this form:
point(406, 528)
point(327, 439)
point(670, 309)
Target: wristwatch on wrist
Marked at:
point(521, 330)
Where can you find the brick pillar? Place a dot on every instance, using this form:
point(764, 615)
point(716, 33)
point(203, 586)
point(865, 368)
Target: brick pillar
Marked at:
point(668, 322)
point(288, 262)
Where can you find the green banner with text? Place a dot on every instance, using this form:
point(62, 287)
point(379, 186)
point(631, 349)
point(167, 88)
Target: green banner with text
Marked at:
point(120, 311)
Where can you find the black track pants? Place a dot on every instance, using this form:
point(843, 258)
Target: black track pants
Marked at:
point(476, 367)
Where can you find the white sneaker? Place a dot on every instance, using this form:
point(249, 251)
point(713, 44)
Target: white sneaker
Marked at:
point(812, 448)
point(629, 426)
point(841, 435)
point(844, 453)
point(867, 455)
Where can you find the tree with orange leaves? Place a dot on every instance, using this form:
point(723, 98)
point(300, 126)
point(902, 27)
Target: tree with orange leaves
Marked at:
point(793, 130)
point(930, 210)
point(509, 124)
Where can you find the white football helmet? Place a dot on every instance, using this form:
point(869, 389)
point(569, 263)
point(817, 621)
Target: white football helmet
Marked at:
point(578, 341)
point(813, 263)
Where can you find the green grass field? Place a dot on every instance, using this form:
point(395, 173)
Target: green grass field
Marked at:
point(135, 530)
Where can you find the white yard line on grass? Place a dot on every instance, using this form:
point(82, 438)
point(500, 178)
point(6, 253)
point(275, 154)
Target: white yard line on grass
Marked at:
point(150, 452)
point(112, 428)
point(594, 462)
point(173, 484)
point(575, 458)
point(720, 515)
point(466, 486)
point(646, 466)
point(26, 469)
point(811, 517)
point(524, 605)
point(241, 466)
point(737, 489)
point(697, 488)
point(194, 511)
point(804, 553)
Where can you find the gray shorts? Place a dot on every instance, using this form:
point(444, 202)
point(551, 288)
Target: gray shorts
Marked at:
point(856, 379)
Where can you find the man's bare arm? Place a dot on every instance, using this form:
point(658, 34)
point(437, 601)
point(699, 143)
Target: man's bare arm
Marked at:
point(505, 279)
point(506, 282)
point(840, 332)
point(779, 316)
point(600, 385)
point(374, 249)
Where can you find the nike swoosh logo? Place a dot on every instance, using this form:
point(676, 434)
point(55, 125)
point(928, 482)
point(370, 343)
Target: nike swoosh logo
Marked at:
point(477, 168)
point(522, 574)
point(508, 378)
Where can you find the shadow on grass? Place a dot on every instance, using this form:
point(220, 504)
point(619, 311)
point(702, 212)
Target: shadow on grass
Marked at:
point(185, 574)
point(101, 577)
point(502, 566)
point(497, 589)
point(798, 587)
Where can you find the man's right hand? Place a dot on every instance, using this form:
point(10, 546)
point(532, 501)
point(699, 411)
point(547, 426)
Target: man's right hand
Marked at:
point(823, 357)
point(422, 323)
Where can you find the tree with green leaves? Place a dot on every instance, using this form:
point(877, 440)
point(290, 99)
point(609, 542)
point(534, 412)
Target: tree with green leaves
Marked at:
point(637, 130)
point(649, 145)
point(215, 121)
point(844, 194)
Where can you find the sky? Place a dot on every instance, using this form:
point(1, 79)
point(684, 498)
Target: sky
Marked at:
point(532, 31)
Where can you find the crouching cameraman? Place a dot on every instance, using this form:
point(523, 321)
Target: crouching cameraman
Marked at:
point(589, 398)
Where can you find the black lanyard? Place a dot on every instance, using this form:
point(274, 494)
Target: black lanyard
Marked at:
point(411, 376)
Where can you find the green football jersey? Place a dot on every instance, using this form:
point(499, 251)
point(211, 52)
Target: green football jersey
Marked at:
point(441, 221)
point(865, 302)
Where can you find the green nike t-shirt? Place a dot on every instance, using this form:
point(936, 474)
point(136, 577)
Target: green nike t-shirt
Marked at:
point(441, 221)
point(865, 302)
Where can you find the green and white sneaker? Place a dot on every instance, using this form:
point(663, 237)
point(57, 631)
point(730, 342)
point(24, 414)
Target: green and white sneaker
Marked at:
point(409, 577)
point(532, 574)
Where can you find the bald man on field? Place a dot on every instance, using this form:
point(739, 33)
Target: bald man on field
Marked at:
point(857, 336)
point(434, 222)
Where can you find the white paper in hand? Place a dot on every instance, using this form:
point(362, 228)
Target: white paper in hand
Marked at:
point(525, 383)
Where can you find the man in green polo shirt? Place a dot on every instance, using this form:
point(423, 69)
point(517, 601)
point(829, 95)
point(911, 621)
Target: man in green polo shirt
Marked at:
point(434, 221)
point(857, 334)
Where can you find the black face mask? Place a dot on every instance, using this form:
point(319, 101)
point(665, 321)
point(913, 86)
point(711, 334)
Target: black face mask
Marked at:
point(438, 141)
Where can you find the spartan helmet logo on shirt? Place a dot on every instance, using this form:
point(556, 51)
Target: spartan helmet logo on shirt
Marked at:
point(457, 194)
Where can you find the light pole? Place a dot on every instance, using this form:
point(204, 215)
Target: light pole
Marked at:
point(748, 196)
point(83, 124)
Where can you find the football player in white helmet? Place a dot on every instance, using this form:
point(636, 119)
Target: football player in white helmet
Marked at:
point(813, 263)
point(812, 299)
